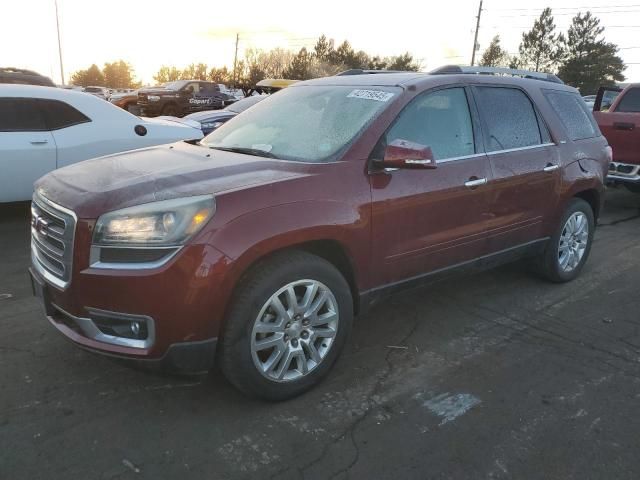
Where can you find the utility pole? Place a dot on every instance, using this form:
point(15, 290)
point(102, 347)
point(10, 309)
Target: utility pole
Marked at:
point(475, 38)
point(59, 44)
point(235, 61)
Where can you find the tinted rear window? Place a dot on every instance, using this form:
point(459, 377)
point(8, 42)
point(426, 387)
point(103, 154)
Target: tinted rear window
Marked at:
point(573, 113)
point(20, 115)
point(630, 102)
point(509, 116)
point(61, 115)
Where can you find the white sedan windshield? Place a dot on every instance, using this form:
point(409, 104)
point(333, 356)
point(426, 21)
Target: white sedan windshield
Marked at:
point(304, 123)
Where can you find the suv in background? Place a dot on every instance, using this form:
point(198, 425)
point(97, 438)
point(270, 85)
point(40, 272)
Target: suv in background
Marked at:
point(24, 77)
point(617, 112)
point(180, 98)
point(258, 245)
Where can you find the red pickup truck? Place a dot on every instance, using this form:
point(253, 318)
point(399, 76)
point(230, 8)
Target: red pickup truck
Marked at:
point(617, 112)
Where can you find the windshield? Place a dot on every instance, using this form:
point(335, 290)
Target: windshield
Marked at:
point(173, 85)
point(305, 123)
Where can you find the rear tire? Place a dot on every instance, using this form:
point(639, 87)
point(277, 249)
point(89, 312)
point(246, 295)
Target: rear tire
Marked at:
point(567, 250)
point(299, 305)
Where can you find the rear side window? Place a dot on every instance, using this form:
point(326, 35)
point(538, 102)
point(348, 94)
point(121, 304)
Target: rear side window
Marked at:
point(440, 120)
point(20, 115)
point(630, 102)
point(573, 113)
point(509, 117)
point(61, 115)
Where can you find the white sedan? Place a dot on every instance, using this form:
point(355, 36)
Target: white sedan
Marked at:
point(44, 128)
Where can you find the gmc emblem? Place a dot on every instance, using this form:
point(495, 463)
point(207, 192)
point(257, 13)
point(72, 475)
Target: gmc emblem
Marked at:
point(40, 225)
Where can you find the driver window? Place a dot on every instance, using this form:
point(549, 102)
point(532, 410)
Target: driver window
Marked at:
point(193, 88)
point(440, 120)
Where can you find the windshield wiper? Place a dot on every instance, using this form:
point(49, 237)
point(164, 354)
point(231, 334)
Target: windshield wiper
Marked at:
point(248, 151)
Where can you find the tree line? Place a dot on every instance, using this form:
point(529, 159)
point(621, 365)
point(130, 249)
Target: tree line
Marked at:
point(581, 58)
point(323, 60)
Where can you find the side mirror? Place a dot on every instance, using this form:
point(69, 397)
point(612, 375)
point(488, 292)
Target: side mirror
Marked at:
point(405, 154)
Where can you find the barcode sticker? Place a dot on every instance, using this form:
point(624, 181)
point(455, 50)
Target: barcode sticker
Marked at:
point(376, 95)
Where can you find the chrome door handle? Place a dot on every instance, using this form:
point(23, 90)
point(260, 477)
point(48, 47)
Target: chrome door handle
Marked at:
point(475, 183)
point(551, 168)
point(39, 142)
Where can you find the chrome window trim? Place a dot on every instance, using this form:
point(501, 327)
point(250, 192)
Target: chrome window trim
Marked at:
point(94, 258)
point(519, 149)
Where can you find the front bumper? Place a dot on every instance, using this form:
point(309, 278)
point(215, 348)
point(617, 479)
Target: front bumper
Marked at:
point(179, 304)
point(623, 173)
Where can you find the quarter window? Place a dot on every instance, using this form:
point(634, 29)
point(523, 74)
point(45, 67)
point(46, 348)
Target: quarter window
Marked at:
point(510, 119)
point(630, 102)
point(440, 120)
point(61, 115)
point(20, 115)
point(573, 113)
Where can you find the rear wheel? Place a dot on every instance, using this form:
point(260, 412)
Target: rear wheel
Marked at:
point(568, 249)
point(286, 326)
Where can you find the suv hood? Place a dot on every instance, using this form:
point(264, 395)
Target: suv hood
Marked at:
point(93, 187)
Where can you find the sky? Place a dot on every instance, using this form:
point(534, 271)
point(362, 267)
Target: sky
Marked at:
point(152, 33)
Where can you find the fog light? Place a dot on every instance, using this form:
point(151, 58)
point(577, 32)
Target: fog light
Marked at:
point(135, 328)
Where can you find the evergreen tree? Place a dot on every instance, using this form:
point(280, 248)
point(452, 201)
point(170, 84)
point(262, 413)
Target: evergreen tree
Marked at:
point(590, 61)
point(541, 48)
point(494, 55)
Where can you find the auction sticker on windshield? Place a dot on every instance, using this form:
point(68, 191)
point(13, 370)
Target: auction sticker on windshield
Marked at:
point(376, 95)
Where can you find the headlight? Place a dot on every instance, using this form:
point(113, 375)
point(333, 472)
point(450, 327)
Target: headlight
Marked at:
point(153, 98)
point(165, 223)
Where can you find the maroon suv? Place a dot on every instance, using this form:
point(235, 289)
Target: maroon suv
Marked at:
point(257, 246)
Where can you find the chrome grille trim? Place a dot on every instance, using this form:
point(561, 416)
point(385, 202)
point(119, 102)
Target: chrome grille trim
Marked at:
point(52, 235)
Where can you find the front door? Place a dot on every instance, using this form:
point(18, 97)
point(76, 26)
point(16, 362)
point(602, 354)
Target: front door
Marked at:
point(525, 165)
point(425, 220)
point(27, 149)
point(621, 127)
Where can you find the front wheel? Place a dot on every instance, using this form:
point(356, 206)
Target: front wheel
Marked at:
point(286, 326)
point(568, 249)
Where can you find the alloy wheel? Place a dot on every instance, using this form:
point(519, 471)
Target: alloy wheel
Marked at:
point(294, 330)
point(573, 241)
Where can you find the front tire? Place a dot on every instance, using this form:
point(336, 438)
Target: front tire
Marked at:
point(568, 249)
point(286, 326)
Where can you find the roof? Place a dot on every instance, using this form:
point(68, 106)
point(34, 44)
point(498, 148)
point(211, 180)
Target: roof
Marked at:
point(422, 80)
point(85, 102)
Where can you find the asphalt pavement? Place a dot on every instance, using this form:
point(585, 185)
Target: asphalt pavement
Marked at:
point(492, 375)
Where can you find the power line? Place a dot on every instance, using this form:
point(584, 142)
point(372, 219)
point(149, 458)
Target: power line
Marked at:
point(594, 7)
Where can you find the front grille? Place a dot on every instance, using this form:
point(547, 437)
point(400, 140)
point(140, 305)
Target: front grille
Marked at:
point(625, 168)
point(52, 232)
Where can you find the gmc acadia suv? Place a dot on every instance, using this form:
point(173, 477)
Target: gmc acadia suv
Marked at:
point(257, 246)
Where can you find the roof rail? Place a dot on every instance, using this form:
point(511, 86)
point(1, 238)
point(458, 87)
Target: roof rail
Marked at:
point(360, 71)
point(455, 69)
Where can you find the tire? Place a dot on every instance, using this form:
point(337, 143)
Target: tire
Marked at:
point(551, 263)
point(170, 110)
point(242, 356)
point(633, 187)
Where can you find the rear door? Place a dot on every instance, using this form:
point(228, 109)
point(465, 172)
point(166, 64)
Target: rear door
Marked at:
point(525, 165)
point(27, 149)
point(621, 127)
point(425, 220)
